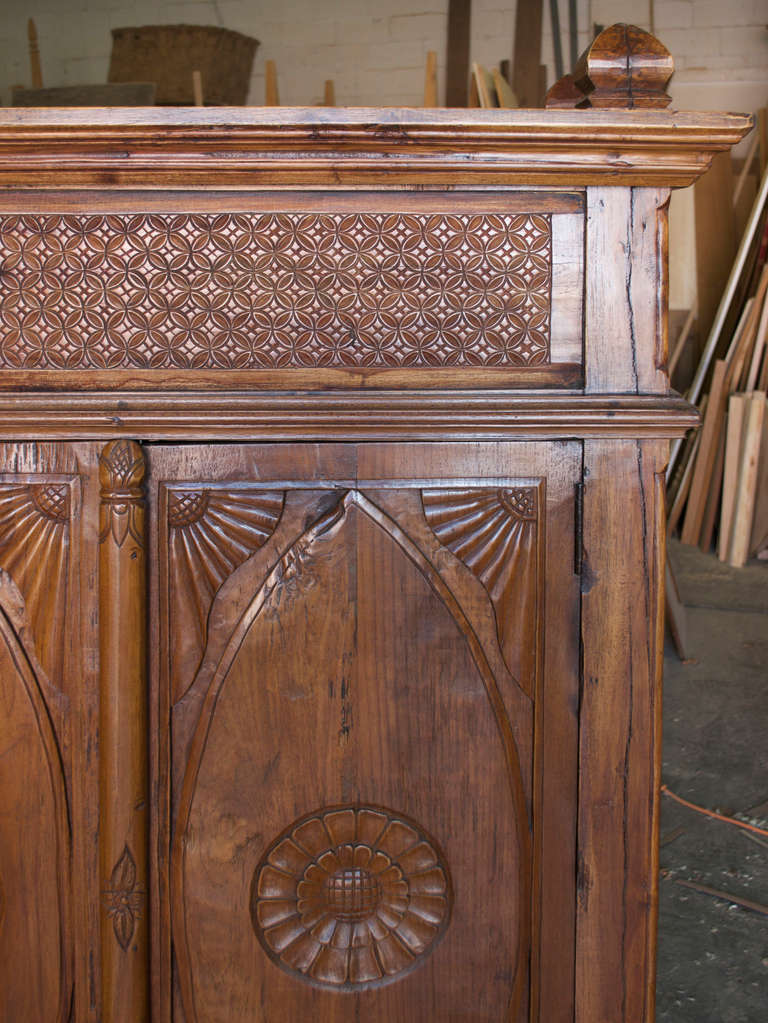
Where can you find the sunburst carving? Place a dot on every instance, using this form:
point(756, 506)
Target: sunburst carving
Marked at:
point(34, 551)
point(211, 532)
point(493, 531)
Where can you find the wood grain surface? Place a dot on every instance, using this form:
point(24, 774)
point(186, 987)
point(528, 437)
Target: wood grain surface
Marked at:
point(331, 558)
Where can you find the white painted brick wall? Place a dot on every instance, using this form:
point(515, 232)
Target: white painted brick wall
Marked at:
point(375, 50)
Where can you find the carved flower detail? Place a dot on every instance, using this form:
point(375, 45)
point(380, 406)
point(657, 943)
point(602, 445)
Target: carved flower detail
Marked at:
point(123, 898)
point(350, 897)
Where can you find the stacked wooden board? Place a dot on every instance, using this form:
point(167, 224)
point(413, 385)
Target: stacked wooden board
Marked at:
point(719, 491)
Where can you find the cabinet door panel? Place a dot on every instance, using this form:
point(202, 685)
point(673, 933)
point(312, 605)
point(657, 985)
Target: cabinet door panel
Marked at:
point(49, 897)
point(352, 772)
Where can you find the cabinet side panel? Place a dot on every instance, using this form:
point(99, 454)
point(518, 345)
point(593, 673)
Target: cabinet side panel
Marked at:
point(619, 734)
point(625, 316)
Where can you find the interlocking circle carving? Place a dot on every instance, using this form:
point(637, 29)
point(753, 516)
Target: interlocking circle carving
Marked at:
point(351, 897)
point(274, 290)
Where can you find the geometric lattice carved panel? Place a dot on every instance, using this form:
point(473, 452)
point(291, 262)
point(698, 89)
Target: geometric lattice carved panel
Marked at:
point(275, 290)
point(350, 897)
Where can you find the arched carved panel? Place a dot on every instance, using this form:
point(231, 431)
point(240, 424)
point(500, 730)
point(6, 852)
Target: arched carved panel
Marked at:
point(495, 533)
point(35, 938)
point(352, 679)
point(211, 531)
point(34, 550)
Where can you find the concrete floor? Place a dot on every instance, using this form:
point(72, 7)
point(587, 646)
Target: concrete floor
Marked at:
point(713, 955)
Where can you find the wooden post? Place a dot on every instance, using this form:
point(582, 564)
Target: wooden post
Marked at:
point(526, 56)
point(197, 88)
point(36, 72)
point(430, 80)
point(457, 53)
point(271, 94)
point(123, 775)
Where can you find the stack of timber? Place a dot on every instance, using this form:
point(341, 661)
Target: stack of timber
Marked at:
point(719, 487)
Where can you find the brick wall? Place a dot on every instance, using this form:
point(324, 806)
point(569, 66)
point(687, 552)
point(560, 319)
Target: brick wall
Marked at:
point(375, 49)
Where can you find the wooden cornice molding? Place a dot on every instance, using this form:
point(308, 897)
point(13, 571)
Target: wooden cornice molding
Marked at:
point(257, 147)
point(329, 416)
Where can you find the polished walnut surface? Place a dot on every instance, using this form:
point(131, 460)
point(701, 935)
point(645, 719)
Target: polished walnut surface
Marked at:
point(332, 544)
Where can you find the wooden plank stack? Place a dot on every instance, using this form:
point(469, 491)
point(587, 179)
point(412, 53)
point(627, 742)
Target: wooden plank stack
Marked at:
point(720, 487)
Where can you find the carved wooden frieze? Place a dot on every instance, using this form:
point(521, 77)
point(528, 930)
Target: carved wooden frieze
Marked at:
point(494, 532)
point(34, 550)
point(352, 896)
point(275, 290)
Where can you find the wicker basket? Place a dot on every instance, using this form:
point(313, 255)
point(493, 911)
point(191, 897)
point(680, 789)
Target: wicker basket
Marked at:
point(168, 54)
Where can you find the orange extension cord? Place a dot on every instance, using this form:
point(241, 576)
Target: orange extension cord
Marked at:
point(711, 813)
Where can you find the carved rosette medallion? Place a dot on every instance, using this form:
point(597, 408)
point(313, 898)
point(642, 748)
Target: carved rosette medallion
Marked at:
point(351, 897)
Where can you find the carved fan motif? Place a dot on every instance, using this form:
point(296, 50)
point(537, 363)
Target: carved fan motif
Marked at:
point(211, 533)
point(34, 550)
point(350, 897)
point(494, 533)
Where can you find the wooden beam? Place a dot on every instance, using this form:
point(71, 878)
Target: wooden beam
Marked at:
point(430, 80)
point(457, 53)
point(197, 88)
point(36, 72)
point(271, 94)
point(526, 54)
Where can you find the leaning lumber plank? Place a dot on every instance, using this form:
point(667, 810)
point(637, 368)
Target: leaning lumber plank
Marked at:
point(684, 487)
point(746, 492)
point(733, 437)
point(694, 391)
point(713, 497)
point(705, 460)
point(504, 94)
point(484, 84)
point(759, 539)
point(757, 349)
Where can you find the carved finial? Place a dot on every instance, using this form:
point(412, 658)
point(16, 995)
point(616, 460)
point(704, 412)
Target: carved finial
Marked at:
point(623, 67)
point(121, 474)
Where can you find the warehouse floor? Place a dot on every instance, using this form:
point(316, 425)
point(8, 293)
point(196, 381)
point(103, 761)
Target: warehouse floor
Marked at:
point(713, 955)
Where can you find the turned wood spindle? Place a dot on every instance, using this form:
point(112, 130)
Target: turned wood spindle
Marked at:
point(123, 735)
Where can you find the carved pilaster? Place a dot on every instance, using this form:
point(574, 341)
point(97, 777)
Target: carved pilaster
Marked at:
point(123, 735)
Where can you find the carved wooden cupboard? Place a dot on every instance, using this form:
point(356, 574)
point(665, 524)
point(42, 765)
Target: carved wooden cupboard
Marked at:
point(331, 536)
